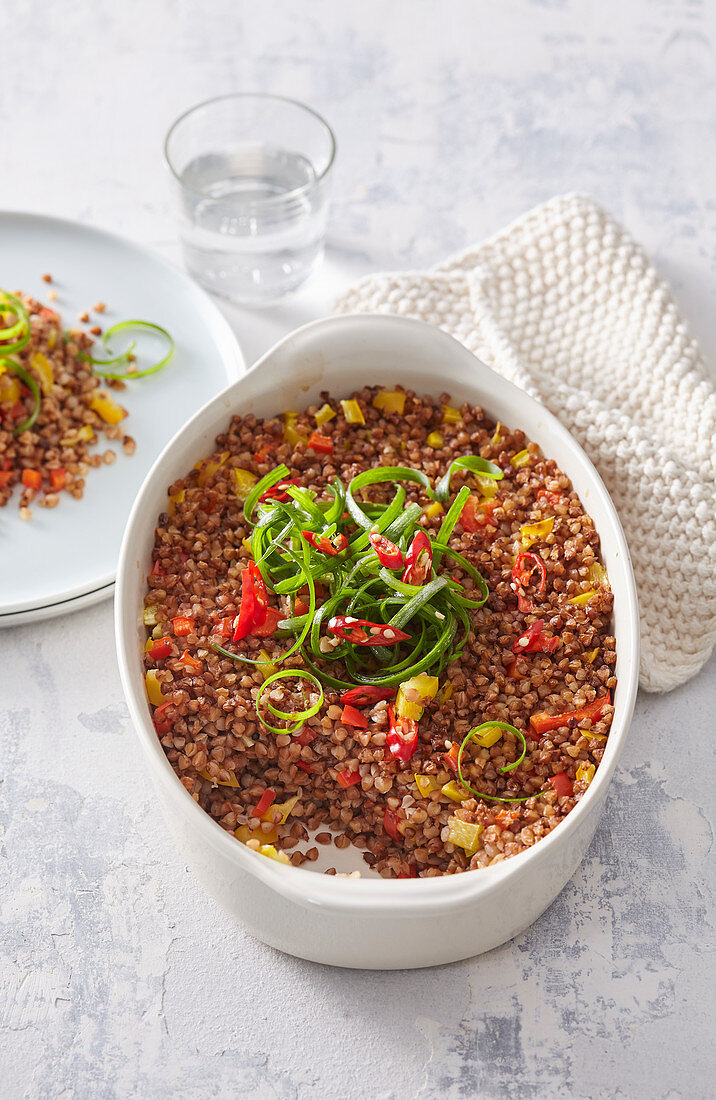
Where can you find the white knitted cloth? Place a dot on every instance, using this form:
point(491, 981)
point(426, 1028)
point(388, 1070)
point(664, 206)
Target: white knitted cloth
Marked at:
point(566, 305)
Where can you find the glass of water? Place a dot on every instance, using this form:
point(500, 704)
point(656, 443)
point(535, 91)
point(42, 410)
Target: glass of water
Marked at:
point(252, 174)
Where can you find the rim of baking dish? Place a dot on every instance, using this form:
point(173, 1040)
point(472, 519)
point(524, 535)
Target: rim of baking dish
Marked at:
point(409, 897)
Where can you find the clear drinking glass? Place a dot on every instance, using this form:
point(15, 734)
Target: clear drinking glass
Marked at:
point(252, 174)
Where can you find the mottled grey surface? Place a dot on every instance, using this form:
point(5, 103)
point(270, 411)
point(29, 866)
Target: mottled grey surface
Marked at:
point(118, 977)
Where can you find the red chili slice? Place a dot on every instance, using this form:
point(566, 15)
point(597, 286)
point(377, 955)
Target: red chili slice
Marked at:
point(363, 632)
point(390, 824)
point(303, 766)
point(451, 757)
point(246, 611)
point(534, 640)
point(305, 737)
point(477, 514)
point(260, 596)
point(521, 577)
point(364, 696)
point(225, 627)
point(389, 555)
point(278, 492)
point(544, 723)
point(402, 736)
point(161, 723)
point(418, 559)
point(273, 618)
point(324, 544)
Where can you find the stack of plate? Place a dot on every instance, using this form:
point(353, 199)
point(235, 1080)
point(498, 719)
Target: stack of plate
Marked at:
point(65, 558)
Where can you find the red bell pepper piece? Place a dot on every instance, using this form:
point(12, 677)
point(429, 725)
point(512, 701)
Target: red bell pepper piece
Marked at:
point(183, 626)
point(320, 443)
point(300, 607)
point(32, 479)
point(363, 632)
point(562, 784)
point(418, 560)
point(278, 492)
point(303, 766)
point(58, 477)
point(402, 736)
point(260, 596)
point(477, 514)
point(245, 618)
point(365, 696)
point(390, 824)
point(550, 496)
point(534, 640)
point(267, 799)
point(353, 717)
point(161, 648)
point(157, 569)
point(389, 555)
point(511, 670)
point(413, 873)
point(264, 451)
point(5, 476)
point(348, 779)
point(521, 576)
point(324, 544)
point(161, 723)
point(305, 737)
point(192, 663)
point(544, 723)
point(450, 757)
point(273, 618)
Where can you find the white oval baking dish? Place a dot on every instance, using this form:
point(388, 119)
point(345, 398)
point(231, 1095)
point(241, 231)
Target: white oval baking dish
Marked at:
point(372, 923)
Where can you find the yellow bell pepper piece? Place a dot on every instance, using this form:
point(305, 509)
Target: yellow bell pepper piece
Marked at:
point(270, 852)
point(454, 791)
point(521, 458)
point(266, 666)
point(426, 784)
point(497, 437)
point(487, 486)
point(244, 482)
point(465, 835)
point(284, 808)
point(177, 498)
point(583, 598)
point(489, 738)
point(592, 655)
point(154, 688)
point(207, 468)
point(42, 366)
point(390, 401)
point(451, 415)
point(106, 408)
point(432, 510)
point(586, 772)
point(532, 532)
point(435, 440)
point(52, 338)
point(591, 736)
point(86, 432)
point(324, 414)
point(149, 615)
point(244, 834)
point(446, 692)
point(246, 543)
point(232, 782)
point(10, 390)
point(413, 694)
point(352, 412)
point(598, 576)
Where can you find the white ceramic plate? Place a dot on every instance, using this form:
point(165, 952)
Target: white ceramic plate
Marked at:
point(66, 557)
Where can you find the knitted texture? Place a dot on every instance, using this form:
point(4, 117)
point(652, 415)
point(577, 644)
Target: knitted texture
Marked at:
point(566, 305)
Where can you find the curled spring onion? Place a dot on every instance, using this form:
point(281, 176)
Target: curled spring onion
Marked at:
point(297, 718)
point(19, 332)
point(123, 357)
point(509, 767)
point(31, 384)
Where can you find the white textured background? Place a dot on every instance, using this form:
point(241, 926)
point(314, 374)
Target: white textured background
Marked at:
point(118, 977)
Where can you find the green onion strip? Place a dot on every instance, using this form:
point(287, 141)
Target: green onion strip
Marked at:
point(509, 767)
